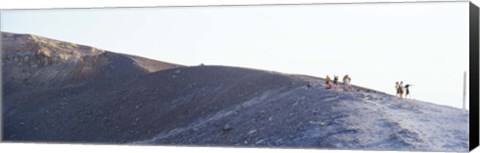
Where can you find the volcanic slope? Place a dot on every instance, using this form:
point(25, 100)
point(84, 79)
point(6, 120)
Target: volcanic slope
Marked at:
point(221, 106)
point(32, 62)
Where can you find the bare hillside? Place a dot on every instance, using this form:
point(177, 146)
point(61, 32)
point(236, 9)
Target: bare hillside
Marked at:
point(97, 96)
point(31, 61)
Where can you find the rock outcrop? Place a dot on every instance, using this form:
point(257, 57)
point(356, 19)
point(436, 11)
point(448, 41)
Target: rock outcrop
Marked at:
point(31, 61)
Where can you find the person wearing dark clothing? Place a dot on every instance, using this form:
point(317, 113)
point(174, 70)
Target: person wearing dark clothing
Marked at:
point(335, 81)
point(407, 91)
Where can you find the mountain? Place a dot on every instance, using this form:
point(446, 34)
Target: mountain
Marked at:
point(31, 61)
point(89, 95)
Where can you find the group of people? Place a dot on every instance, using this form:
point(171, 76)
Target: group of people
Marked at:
point(401, 89)
point(334, 83)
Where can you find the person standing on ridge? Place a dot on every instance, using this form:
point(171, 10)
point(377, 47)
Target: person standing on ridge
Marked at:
point(328, 82)
point(335, 81)
point(346, 83)
point(400, 89)
point(397, 88)
point(407, 91)
point(350, 84)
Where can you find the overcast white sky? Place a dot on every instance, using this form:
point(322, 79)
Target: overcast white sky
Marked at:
point(424, 44)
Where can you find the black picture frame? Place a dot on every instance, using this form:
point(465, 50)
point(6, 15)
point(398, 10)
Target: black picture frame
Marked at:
point(474, 76)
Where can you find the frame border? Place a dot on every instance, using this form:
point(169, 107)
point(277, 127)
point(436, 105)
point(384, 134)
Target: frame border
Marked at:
point(474, 75)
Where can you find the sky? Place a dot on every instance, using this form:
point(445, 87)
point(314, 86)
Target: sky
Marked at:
point(424, 44)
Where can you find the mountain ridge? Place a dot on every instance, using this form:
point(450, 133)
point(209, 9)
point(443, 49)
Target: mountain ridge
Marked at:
point(34, 61)
point(119, 101)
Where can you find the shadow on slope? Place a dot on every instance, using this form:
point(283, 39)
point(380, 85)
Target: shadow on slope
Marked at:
point(227, 106)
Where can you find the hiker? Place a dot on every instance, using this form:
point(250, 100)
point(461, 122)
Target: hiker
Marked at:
point(349, 84)
point(328, 82)
point(397, 88)
point(400, 89)
point(346, 83)
point(335, 81)
point(407, 91)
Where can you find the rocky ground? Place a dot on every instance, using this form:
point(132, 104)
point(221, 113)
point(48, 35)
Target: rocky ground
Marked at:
point(104, 97)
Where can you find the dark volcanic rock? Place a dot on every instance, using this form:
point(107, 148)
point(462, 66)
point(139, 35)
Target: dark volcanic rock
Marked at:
point(45, 77)
point(73, 93)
